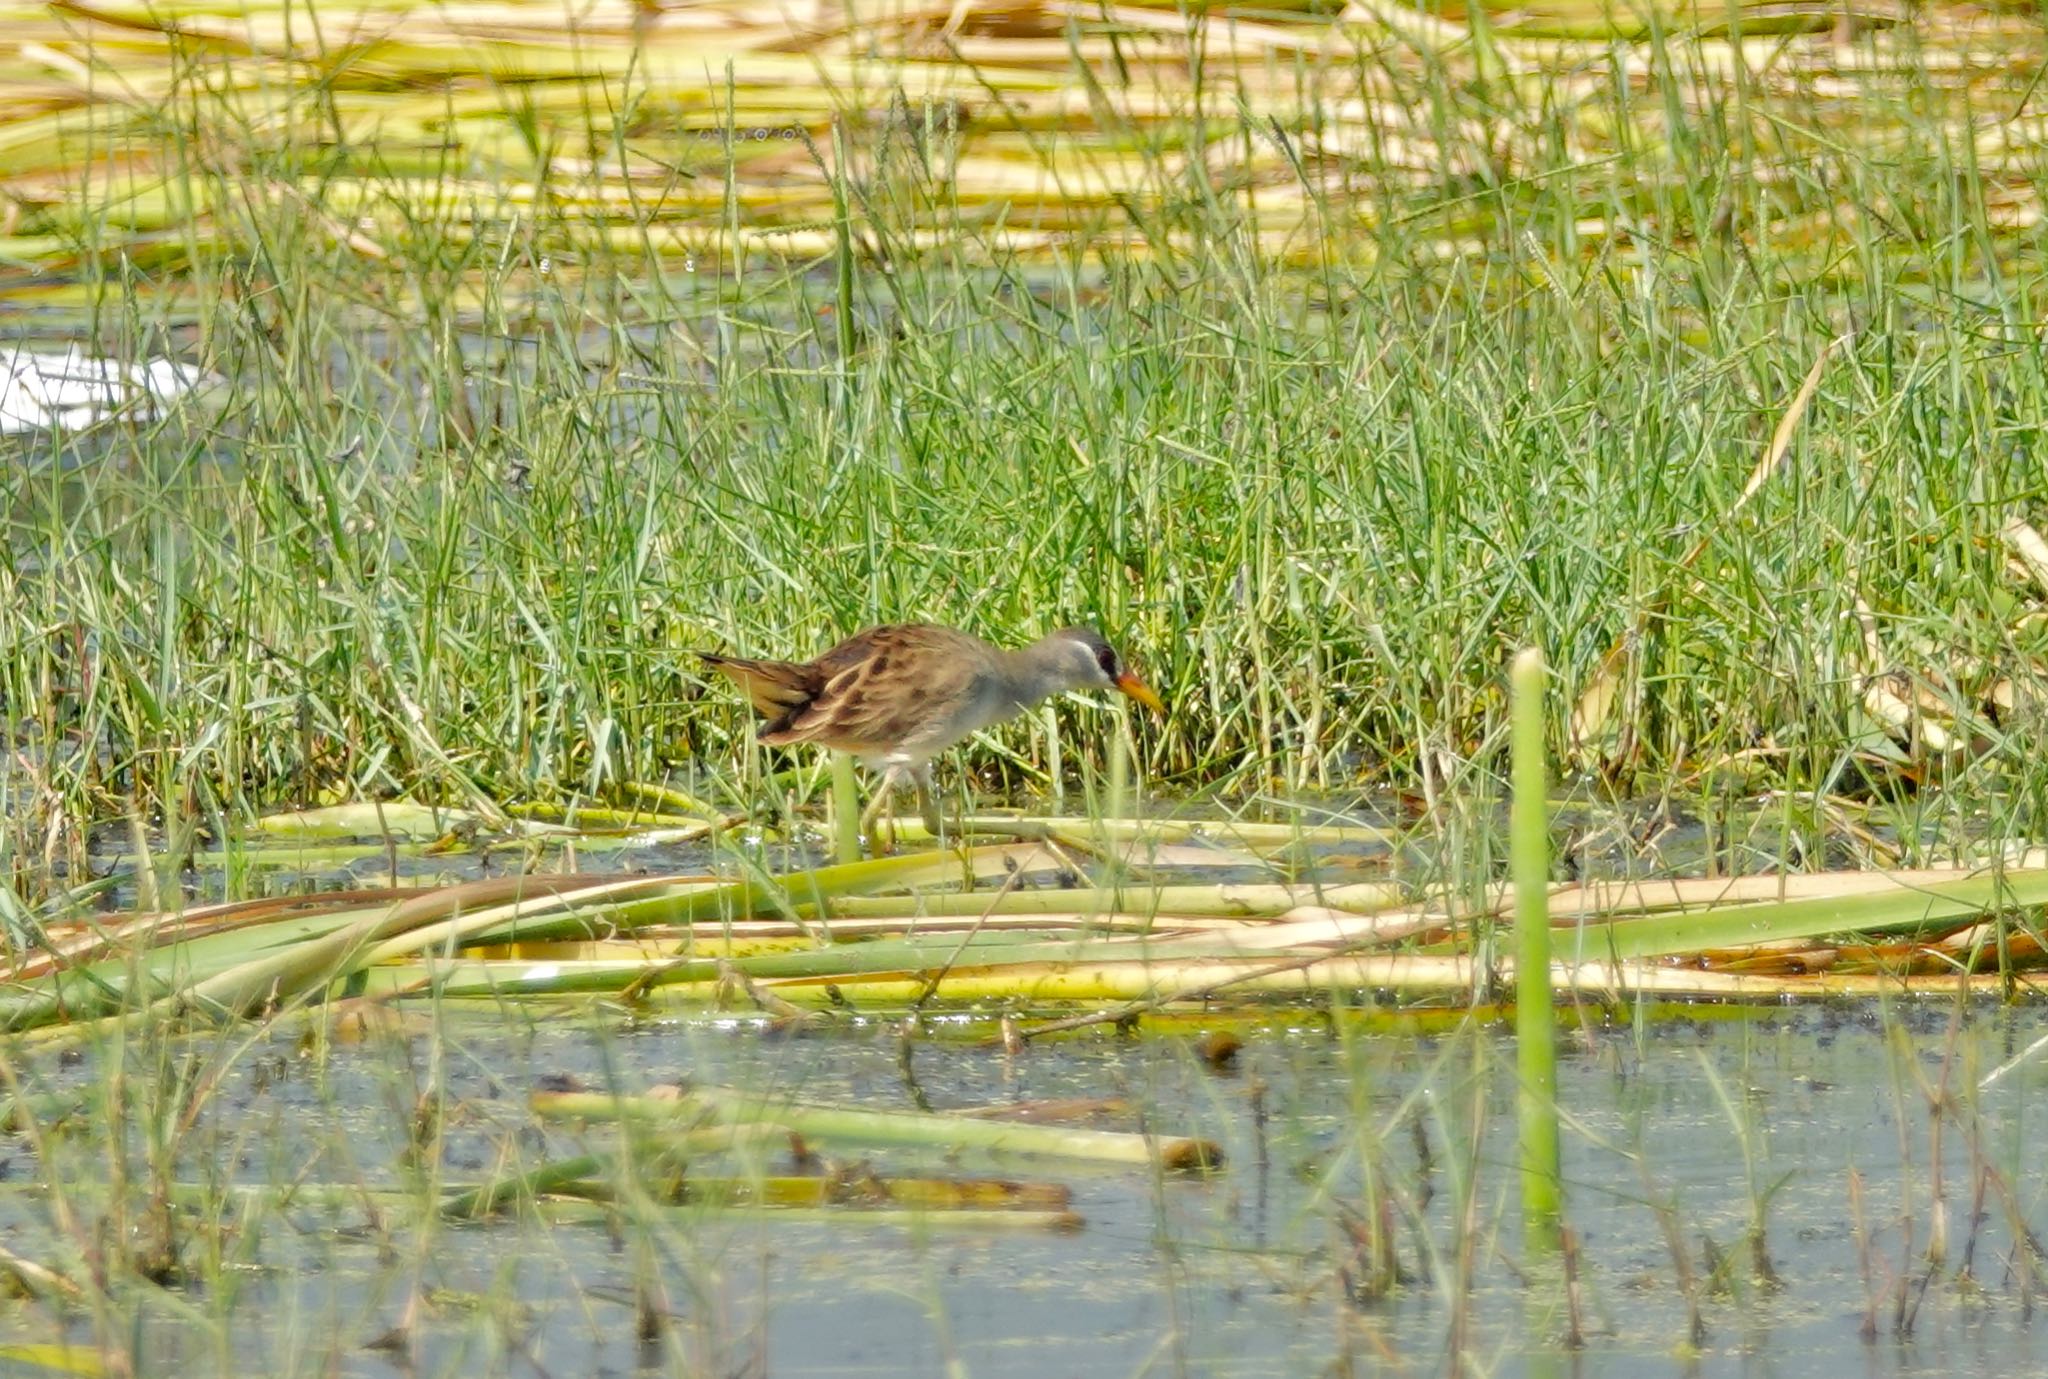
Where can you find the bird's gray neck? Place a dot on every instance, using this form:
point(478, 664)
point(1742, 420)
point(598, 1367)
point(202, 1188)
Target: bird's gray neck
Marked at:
point(1025, 677)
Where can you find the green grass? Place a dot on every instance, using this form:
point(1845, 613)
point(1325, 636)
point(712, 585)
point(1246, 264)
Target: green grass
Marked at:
point(464, 509)
point(1320, 429)
point(1457, 339)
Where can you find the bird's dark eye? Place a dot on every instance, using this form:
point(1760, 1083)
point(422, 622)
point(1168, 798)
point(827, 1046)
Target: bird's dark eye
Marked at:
point(1106, 658)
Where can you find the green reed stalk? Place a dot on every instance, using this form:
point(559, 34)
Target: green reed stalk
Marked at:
point(1535, 1025)
point(842, 257)
point(845, 809)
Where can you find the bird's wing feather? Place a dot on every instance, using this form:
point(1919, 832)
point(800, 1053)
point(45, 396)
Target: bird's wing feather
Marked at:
point(776, 689)
point(888, 687)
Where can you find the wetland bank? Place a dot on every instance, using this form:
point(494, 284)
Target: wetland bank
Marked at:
point(415, 967)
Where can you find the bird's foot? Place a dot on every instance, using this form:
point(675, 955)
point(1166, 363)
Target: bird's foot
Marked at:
point(877, 825)
point(928, 811)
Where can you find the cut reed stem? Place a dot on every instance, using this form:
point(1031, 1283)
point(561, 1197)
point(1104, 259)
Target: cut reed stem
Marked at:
point(1535, 1019)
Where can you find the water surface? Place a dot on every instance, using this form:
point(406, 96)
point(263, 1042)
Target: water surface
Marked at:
point(1231, 1274)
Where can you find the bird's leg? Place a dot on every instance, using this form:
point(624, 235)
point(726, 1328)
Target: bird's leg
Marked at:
point(928, 803)
point(884, 794)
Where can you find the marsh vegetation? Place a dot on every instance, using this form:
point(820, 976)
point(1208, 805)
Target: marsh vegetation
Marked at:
point(413, 962)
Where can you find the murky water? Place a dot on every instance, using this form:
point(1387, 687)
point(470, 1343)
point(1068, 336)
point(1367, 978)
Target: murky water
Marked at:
point(1234, 1274)
point(1392, 838)
point(1685, 1128)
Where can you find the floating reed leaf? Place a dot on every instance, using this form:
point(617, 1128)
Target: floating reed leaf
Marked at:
point(826, 1124)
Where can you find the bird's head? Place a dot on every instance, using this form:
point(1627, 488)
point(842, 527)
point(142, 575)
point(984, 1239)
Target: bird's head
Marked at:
point(1090, 662)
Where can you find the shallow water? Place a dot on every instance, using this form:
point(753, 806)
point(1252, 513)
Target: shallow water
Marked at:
point(1226, 1275)
point(1239, 1273)
point(1593, 840)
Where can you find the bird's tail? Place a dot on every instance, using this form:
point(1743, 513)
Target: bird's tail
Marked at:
point(776, 689)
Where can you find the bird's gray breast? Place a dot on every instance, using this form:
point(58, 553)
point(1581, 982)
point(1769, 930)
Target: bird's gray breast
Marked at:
point(986, 700)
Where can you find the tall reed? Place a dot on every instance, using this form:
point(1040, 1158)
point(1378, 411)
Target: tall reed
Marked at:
point(1536, 1109)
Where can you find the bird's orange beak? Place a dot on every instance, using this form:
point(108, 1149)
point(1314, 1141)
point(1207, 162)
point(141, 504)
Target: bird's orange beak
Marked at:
point(1140, 691)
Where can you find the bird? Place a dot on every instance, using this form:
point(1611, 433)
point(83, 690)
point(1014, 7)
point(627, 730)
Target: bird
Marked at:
point(896, 696)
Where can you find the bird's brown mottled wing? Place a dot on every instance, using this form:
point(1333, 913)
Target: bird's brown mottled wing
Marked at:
point(888, 688)
point(776, 689)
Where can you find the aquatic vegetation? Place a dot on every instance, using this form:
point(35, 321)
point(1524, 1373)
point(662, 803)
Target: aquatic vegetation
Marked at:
point(1328, 357)
point(1000, 961)
point(405, 956)
point(1020, 928)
